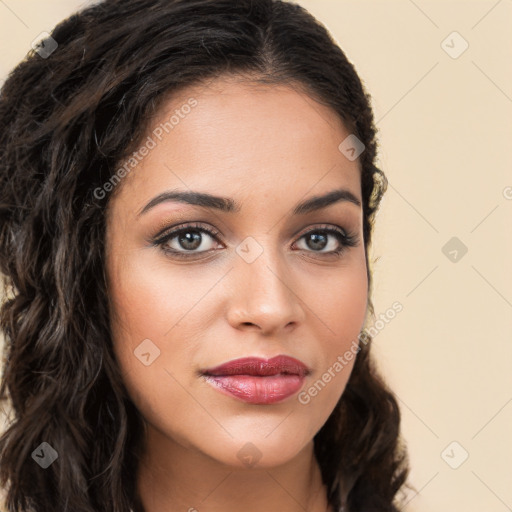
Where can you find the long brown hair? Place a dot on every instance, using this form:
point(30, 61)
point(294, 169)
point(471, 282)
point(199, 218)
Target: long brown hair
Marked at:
point(67, 119)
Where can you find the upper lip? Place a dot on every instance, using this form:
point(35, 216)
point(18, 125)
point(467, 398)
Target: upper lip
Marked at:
point(257, 366)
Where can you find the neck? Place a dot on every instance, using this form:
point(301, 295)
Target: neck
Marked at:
point(174, 478)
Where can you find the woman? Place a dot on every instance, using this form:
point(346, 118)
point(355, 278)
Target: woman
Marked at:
point(188, 192)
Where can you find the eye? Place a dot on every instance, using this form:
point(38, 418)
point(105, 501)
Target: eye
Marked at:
point(328, 241)
point(188, 240)
point(195, 239)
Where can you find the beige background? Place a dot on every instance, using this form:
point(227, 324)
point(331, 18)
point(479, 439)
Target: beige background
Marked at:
point(444, 125)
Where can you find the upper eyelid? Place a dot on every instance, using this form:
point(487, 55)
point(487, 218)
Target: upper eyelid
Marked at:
point(172, 232)
point(346, 239)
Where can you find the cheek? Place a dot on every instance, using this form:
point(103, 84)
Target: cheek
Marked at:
point(154, 334)
point(151, 366)
point(342, 308)
point(341, 303)
point(155, 295)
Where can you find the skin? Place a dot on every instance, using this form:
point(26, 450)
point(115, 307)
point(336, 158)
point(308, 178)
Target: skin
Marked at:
point(267, 147)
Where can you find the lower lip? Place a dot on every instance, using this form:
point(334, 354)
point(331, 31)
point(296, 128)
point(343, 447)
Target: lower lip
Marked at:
point(257, 390)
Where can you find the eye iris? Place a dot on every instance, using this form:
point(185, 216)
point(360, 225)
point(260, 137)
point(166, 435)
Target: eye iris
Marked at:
point(190, 237)
point(315, 238)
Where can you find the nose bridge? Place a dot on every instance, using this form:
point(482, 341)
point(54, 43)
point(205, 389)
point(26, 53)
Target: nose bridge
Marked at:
point(265, 272)
point(264, 294)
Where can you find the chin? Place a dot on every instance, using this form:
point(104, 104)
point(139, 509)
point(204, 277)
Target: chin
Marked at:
point(257, 452)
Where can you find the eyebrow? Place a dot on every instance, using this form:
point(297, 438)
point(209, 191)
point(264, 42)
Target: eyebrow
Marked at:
point(228, 205)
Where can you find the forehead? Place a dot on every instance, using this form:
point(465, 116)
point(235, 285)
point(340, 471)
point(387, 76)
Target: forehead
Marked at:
point(235, 138)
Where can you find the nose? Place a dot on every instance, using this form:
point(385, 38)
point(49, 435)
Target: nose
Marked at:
point(264, 297)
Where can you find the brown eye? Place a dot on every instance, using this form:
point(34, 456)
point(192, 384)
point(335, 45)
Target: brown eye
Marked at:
point(188, 241)
point(327, 241)
point(316, 241)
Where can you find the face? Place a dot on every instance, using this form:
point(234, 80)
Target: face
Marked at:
point(195, 286)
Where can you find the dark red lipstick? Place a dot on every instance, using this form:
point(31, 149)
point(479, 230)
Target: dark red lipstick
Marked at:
point(258, 381)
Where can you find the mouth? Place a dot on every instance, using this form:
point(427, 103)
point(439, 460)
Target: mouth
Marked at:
point(258, 381)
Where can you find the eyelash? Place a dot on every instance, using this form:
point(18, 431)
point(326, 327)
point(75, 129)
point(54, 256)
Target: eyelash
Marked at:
point(346, 240)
